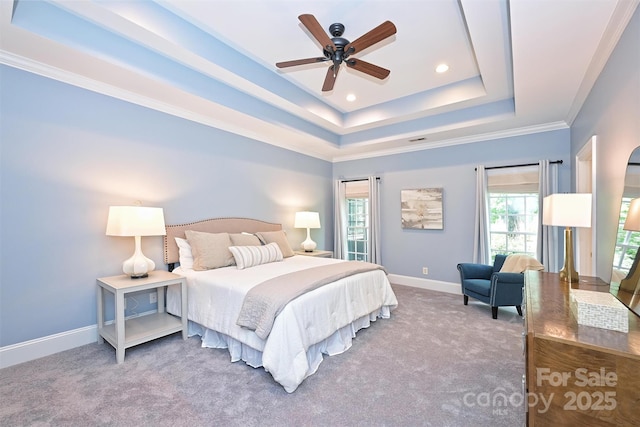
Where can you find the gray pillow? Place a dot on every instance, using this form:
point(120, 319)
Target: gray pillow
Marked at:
point(210, 250)
point(244, 239)
point(278, 237)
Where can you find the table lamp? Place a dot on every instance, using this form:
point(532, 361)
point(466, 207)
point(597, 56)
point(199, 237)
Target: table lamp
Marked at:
point(632, 223)
point(307, 220)
point(136, 221)
point(567, 210)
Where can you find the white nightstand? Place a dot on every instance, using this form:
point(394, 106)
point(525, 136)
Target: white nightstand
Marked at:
point(124, 334)
point(321, 254)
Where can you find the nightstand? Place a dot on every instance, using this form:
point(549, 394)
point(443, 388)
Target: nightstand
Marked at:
point(320, 254)
point(123, 334)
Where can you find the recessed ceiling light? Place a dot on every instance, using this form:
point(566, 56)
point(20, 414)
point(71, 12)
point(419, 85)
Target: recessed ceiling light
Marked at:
point(442, 68)
point(351, 97)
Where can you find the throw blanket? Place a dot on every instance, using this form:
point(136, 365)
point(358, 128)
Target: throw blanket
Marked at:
point(266, 300)
point(517, 263)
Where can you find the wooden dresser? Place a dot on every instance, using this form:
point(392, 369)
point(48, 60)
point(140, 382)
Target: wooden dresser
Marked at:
point(577, 375)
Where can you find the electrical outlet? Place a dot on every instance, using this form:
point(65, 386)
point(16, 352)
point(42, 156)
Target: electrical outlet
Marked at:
point(153, 298)
point(425, 270)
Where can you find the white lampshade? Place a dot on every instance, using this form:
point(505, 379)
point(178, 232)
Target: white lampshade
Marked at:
point(567, 210)
point(632, 223)
point(307, 220)
point(136, 221)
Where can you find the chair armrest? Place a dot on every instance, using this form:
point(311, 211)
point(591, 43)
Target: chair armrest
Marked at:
point(475, 271)
point(517, 278)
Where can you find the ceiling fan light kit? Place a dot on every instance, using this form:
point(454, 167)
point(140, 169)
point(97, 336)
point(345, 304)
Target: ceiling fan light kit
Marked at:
point(338, 49)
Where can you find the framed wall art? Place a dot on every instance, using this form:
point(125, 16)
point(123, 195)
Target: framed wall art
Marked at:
point(421, 209)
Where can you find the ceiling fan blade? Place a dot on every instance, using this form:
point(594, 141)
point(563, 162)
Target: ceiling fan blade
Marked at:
point(314, 27)
point(286, 64)
point(368, 68)
point(381, 32)
point(330, 78)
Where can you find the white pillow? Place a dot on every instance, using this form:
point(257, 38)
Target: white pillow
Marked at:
point(184, 251)
point(250, 256)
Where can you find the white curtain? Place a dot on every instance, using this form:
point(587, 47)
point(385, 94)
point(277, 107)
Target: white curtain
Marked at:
point(481, 252)
point(339, 220)
point(374, 252)
point(547, 237)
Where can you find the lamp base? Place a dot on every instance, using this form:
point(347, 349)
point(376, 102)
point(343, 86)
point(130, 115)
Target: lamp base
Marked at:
point(569, 276)
point(138, 266)
point(308, 245)
point(568, 273)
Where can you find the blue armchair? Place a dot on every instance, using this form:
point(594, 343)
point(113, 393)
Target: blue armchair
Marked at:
point(487, 284)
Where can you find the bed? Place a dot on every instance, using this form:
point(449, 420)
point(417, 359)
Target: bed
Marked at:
point(322, 320)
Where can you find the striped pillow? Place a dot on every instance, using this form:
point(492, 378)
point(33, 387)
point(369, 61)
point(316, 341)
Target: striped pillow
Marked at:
point(250, 256)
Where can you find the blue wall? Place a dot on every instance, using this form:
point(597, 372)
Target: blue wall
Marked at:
point(68, 154)
point(612, 113)
point(405, 252)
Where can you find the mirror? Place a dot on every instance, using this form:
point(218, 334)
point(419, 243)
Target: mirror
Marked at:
point(627, 241)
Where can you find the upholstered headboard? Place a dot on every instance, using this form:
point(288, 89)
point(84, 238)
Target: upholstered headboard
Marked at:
point(214, 225)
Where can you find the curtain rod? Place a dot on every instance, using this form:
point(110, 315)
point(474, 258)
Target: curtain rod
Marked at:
point(358, 179)
point(519, 166)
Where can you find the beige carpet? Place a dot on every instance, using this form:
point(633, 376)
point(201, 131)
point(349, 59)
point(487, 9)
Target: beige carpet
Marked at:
point(436, 362)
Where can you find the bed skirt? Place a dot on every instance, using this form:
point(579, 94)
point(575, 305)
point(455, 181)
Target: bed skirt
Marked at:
point(290, 377)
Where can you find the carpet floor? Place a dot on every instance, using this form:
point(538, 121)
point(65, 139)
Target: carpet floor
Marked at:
point(435, 362)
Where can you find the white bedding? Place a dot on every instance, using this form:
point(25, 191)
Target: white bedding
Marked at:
point(322, 321)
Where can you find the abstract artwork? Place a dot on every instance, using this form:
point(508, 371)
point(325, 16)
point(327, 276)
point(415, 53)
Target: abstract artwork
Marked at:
point(421, 209)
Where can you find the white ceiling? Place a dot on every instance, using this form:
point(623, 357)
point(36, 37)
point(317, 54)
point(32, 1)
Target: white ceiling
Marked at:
point(516, 67)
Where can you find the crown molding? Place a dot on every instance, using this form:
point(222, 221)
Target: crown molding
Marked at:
point(73, 79)
point(545, 127)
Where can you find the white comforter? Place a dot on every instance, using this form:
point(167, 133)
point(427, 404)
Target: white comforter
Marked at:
point(322, 321)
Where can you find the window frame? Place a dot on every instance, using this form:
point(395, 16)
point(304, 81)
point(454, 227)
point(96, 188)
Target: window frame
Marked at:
point(360, 249)
point(513, 184)
point(513, 220)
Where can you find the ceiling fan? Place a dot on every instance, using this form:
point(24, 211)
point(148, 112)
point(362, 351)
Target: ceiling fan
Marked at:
point(339, 50)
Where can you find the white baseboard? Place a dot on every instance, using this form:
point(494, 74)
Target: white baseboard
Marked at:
point(433, 285)
point(29, 350)
point(40, 347)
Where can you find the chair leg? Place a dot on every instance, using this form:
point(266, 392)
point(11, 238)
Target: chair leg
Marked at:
point(466, 299)
point(519, 308)
point(494, 312)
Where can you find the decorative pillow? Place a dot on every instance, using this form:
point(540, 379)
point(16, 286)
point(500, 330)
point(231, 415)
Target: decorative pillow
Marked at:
point(278, 237)
point(210, 250)
point(244, 239)
point(184, 251)
point(250, 256)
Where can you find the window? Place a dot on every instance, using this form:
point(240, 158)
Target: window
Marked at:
point(357, 228)
point(627, 242)
point(513, 211)
point(357, 195)
point(513, 223)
